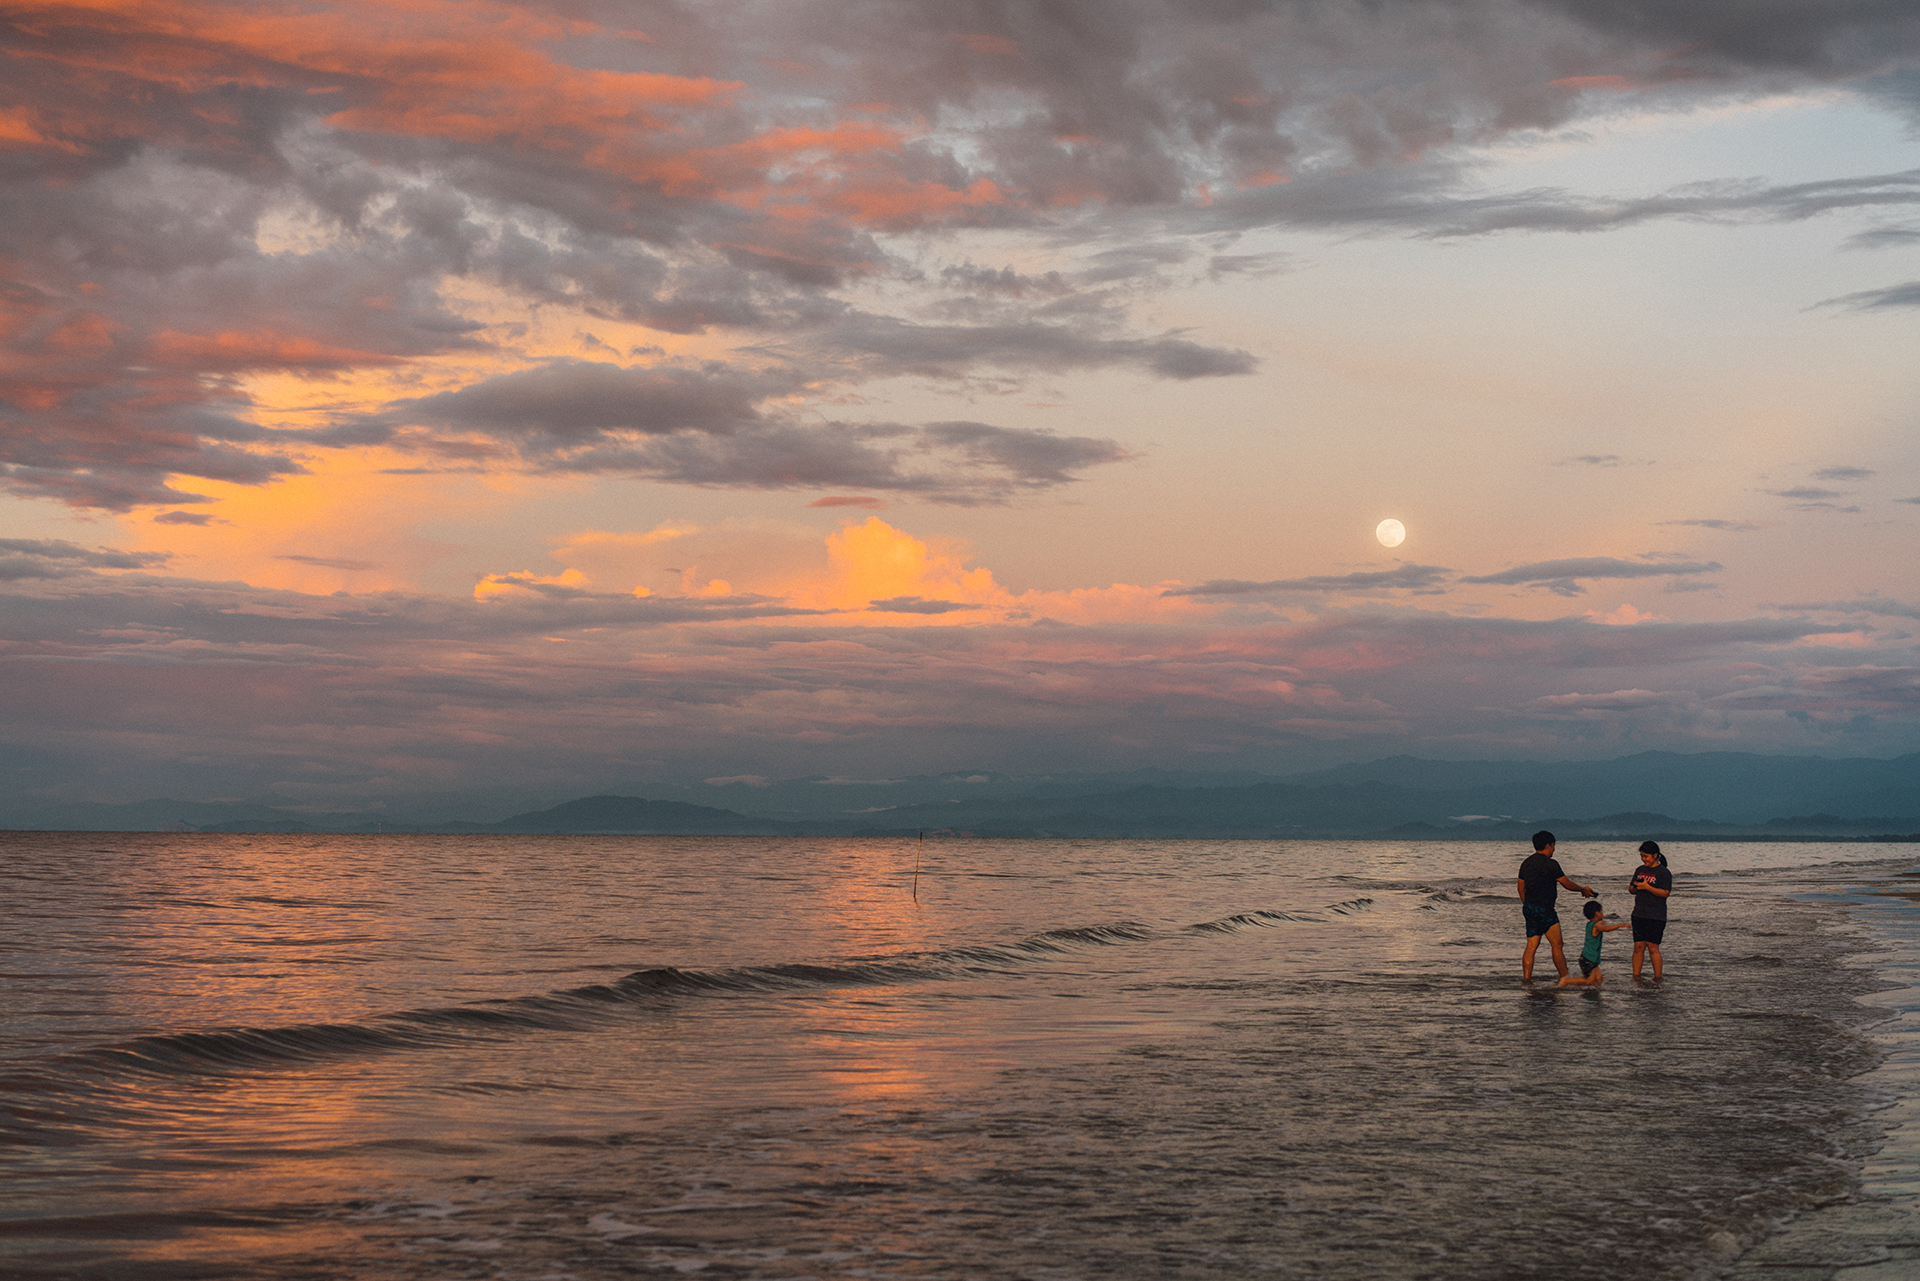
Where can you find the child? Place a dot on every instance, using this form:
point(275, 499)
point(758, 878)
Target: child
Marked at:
point(1590, 973)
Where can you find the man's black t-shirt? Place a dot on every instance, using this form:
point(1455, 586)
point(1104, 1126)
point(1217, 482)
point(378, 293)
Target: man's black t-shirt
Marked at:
point(1542, 875)
point(1651, 907)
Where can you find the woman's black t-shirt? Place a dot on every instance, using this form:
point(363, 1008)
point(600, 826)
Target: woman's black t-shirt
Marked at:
point(1651, 906)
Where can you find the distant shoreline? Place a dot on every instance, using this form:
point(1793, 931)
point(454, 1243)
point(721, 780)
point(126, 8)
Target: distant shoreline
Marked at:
point(1674, 838)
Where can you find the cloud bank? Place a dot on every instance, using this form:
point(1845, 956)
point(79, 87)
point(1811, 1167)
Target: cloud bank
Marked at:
point(237, 236)
point(882, 654)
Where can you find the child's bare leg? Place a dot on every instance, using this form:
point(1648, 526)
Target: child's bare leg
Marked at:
point(1639, 957)
point(1655, 949)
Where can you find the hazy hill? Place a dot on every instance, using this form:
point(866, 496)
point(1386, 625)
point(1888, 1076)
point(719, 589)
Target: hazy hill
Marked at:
point(632, 814)
point(1729, 787)
point(1724, 793)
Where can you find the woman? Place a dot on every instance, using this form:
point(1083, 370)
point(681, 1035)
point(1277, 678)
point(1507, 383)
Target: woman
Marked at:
point(1652, 885)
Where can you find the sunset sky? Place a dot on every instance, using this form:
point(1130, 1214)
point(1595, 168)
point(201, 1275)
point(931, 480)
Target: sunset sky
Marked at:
point(430, 394)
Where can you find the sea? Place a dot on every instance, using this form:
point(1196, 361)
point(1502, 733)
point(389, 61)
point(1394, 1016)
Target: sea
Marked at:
point(581, 1057)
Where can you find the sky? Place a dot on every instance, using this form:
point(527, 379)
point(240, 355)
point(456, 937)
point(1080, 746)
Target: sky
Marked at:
point(442, 394)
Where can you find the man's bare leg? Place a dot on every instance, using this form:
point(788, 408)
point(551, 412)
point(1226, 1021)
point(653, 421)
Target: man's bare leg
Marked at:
point(1655, 949)
point(1526, 958)
point(1639, 958)
point(1553, 941)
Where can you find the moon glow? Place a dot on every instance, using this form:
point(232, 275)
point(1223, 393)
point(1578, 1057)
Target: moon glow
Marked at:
point(1390, 532)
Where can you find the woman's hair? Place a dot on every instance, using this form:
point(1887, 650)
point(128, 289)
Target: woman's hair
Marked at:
point(1592, 908)
point(1653, 848)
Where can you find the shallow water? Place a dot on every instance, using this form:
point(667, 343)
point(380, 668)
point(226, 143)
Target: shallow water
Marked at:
point(405, 1056)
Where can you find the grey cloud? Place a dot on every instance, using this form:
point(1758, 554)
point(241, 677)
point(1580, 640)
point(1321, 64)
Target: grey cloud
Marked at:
point(326, 562)
point(1810, 498)
point(1915, 499)
point(1252, 266)
point(1133, 262)
point(705, 426)
point(965, 464)
point(1877, 605)
point(1597, 460)
point(677, 686)
point(918, 605)
point(1004, 281)
point(1616, 701)
point(143, 299)
point(568, 403)
point(1142, 101)
point(1422, 201)
point(1404, 578)
point(1728, 525)
point(1898, 90)
point(1809, 36)
point(1563, 577)
point(237, 620)
point(1883, 238)
point(1844, 473)
point(1907, 295)
point(184, 518)
point(1034, 457)
point(22, 558)
point(885, 345)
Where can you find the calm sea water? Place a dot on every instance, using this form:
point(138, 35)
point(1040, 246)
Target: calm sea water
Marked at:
point(587, 1057)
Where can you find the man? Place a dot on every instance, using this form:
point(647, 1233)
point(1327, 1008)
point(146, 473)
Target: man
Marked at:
point(1540, 879)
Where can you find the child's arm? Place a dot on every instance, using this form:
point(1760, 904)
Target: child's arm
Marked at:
point(1617, 925)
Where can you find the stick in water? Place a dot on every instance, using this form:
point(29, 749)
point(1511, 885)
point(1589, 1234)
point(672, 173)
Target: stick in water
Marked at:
point(916, 866)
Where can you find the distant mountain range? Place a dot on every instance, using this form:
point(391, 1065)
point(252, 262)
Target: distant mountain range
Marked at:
point(1726, 795)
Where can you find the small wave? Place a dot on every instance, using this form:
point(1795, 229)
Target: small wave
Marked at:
point(1250, 920)
point(581, 1008)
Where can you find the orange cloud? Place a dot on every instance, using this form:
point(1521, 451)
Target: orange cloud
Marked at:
point(342, 526)
point(230, 350)
point(865, 574)
point(1593, 82)
point(873, 504)
point(467, 71)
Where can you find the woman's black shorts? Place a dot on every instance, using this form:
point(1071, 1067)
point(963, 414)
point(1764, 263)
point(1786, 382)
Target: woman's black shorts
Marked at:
point(1647, 929)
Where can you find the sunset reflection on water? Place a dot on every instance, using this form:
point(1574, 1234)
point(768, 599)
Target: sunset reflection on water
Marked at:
point(325, 1055)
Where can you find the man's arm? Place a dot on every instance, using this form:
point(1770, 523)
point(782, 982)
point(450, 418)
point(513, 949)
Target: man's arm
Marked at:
point(1523, 887)
point(1586, 891)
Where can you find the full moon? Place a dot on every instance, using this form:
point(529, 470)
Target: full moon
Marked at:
point(1391, 533)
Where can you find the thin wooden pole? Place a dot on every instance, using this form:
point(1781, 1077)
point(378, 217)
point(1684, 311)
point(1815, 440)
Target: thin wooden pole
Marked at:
point(916, 866)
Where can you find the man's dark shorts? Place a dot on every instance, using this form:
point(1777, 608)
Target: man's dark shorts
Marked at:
point(1587, 967)
point(1648, 930)
point(1540, 919)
